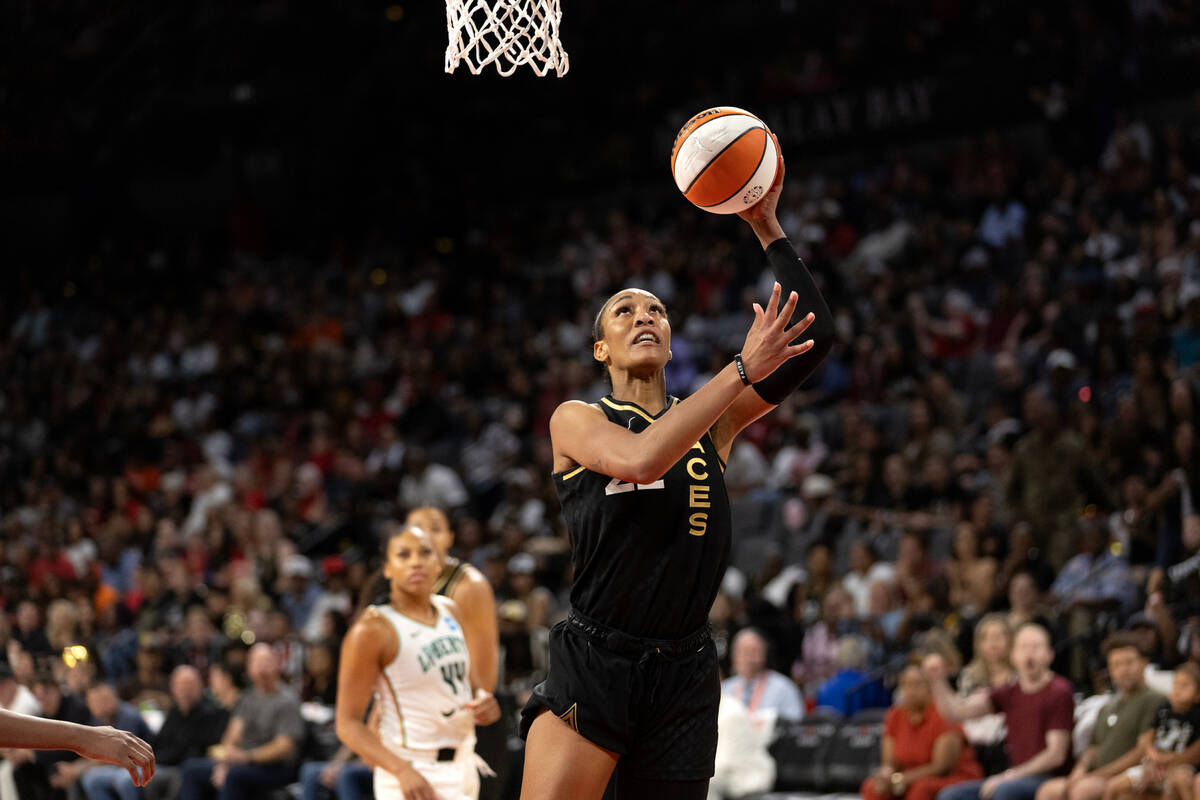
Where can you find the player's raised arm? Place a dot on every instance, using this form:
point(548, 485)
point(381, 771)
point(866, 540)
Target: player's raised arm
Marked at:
point(583, 434)
point(793, 275)
point(99, 743)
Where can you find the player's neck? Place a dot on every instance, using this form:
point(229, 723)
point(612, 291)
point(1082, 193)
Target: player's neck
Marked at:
point(649, 393)
point(415, 607)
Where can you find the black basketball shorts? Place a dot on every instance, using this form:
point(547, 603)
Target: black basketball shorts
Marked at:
point(654, 702)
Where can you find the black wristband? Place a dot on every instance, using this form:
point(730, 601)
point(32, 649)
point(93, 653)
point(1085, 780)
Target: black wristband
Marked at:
point(741, 368)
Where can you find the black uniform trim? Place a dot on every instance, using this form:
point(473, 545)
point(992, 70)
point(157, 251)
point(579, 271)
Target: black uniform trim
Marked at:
point(452, 572)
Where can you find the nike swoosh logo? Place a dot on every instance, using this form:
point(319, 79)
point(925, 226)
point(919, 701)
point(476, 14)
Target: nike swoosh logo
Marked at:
point(450, 713)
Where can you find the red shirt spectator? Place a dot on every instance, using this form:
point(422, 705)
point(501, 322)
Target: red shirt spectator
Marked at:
point(1030, 716)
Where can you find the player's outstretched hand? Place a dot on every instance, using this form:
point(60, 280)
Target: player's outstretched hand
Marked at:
point(764, 210)
point(484, 708)
point(768, 344)
point(121, 748)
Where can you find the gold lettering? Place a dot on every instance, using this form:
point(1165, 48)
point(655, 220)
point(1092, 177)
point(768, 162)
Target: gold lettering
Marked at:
point(698, 495)
point(698, 446)
point(691, 471)
point(699, 523)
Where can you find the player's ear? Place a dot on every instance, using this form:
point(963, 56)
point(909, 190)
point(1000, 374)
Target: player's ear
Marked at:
point(600, 351)
point(670, 355)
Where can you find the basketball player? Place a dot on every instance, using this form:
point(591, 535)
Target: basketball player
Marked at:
point(99, 743)
point(411, 653)
point(633, 682)
point(469, 590)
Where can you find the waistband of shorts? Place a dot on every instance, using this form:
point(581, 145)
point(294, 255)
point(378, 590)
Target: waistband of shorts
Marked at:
point(439, 754)
point(624, 644)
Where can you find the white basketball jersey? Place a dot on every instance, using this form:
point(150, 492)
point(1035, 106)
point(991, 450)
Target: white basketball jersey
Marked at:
point(422, 691)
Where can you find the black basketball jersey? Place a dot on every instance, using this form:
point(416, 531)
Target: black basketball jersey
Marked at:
point(649, 558)
point(452, 572)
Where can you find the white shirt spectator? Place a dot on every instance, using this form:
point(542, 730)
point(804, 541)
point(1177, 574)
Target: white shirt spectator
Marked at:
point(859, 586)
point(437, 486)
point(210, 494)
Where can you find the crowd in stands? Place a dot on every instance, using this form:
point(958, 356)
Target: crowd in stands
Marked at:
point(197, 456)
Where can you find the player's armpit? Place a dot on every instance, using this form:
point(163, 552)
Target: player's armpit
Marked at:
point(745, 409)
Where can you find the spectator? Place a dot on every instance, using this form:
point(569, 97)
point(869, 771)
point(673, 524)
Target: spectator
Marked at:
point(1052, 477)
point(106, 708)
point(29, 632)
point(1093, 582)
point(345, 777)
point(193, 725)
point(1113, 747)
point(865, 570)
point(818, 661)
point(756, 686)
point(261, 744)
point(1024, 601)
point(914, 568)
point(300, 591)
point(1170, 749)
point(14, 696)
point(921, 753)
point(852, 688)
point(991, 667)
point(32, 771)
point(972, 576)
point(1039, 708)
point(224, 684)
point(427, 484)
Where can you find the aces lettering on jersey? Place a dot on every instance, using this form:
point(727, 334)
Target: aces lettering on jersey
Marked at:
point(697, 470)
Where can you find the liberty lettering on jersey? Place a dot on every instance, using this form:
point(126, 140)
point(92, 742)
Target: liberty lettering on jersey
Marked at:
point(438, 649)
point(698, 497)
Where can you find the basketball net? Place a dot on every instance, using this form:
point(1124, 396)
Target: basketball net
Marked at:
point(506, 33)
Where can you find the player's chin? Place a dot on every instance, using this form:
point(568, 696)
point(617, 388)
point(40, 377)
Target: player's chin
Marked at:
point(649, 359)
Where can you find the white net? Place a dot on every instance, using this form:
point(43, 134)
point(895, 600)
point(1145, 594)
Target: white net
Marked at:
point(506, 33)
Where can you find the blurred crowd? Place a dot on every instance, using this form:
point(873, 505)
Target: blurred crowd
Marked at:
point(198, 449)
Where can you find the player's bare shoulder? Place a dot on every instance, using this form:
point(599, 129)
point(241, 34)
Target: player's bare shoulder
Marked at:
point(472, 588)
point(574, 412)
point(372, 631)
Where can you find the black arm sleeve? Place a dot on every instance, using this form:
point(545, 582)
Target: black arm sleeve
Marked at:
point(793, 276)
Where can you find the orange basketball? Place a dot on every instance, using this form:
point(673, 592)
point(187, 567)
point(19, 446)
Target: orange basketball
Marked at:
point(724, 160)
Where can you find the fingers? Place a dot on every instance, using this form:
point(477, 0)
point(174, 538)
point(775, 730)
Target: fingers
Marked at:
point(143, 759)
point(779, 169)
point(803, 347)
point(801, 326)
point(773, 305)
point(785, 313)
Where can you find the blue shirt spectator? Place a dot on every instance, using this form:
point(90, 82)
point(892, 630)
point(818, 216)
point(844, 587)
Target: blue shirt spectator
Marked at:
point(852, 688)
